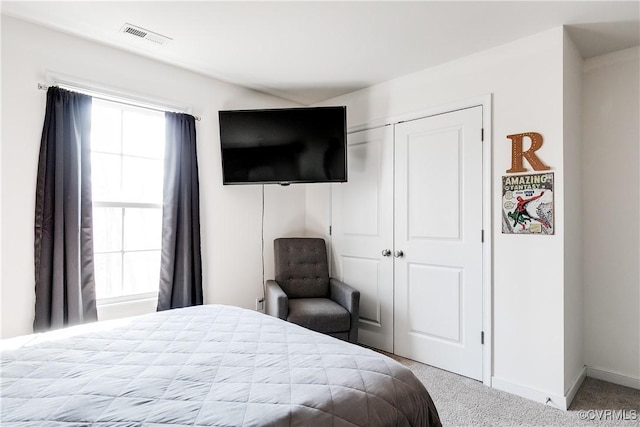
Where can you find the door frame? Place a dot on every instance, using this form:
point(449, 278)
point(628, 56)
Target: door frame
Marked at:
point(485, 101)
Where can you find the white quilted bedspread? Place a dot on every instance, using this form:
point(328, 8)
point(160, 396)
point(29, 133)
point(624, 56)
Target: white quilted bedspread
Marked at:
point(209, 365)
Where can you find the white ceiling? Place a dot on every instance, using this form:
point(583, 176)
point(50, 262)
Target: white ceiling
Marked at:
point(312, 51)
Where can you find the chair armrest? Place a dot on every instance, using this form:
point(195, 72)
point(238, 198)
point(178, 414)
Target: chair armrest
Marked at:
point(349, 298)
point(276, 302)
point(344, 295)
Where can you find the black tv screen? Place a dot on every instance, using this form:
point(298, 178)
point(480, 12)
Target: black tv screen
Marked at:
point(283, 146)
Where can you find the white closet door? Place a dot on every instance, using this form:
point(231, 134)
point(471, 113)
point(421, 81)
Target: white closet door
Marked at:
point(362, 223)
point(438, 223)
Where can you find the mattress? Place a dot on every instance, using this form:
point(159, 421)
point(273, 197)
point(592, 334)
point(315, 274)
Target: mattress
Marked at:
point(209, 365)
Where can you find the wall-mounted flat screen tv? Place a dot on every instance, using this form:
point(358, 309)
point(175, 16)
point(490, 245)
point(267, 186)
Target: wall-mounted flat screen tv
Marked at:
point(284, 146)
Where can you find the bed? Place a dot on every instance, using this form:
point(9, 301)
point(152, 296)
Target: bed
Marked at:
point(210, 365)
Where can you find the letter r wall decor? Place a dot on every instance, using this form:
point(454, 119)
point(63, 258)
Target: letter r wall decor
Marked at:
point(517, 152)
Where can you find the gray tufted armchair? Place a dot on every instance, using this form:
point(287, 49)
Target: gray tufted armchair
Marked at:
point(303, 293)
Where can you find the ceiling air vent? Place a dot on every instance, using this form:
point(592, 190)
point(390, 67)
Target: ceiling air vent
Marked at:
point(145, 34)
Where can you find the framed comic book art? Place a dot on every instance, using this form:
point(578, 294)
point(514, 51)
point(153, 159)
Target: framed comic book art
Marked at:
point(527, 204)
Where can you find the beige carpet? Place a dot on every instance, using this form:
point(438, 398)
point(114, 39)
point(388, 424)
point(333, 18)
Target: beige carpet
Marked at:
point(464, 402)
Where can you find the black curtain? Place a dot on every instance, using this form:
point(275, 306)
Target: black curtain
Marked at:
point(181, 263)
point(64, 271)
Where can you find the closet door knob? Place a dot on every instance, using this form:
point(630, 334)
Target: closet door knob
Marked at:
point(386, 252)
point(398, 254)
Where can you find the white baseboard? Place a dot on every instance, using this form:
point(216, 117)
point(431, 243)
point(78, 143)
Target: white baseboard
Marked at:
point(575, 386)
point(612, 377)
point(563, 402)
point(549, 399)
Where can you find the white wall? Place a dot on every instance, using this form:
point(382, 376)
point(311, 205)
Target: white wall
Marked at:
point(611, 178)
point(230, 215)
point(281, 214)
point(525, 79)
point(572, 221)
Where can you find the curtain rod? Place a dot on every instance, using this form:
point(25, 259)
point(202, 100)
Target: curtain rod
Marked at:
point(43, 86)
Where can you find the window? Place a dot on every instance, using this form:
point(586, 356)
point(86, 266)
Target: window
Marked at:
point(127, 150)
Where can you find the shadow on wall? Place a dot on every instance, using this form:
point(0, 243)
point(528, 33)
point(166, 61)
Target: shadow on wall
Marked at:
point(599, 38)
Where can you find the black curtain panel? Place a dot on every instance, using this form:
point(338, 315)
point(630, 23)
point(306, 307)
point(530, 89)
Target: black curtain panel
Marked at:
point(64, 271)
point(181, 263)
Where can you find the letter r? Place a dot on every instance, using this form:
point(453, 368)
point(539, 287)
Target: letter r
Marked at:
point(517, 154)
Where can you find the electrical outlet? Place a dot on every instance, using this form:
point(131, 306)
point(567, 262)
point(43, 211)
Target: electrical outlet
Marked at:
point(259, 304)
